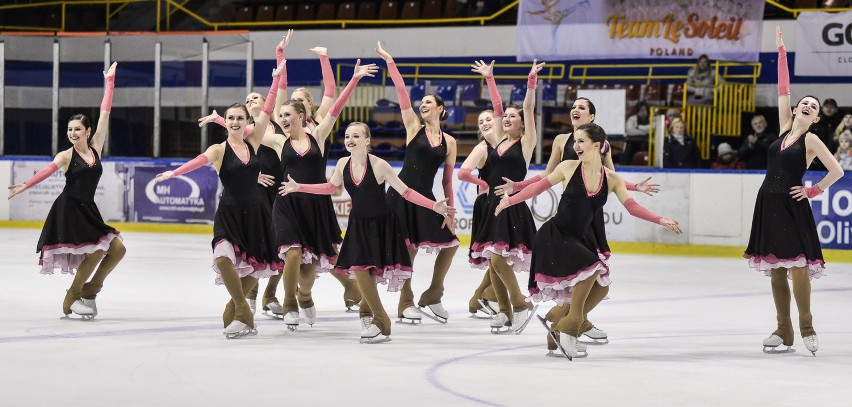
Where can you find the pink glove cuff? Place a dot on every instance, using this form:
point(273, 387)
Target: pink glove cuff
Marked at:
point(279, 55)
point(519, 186)
point(414, 197)
point(317, 189)
point(535, 189)
point(605, 147)
point(282, 77)
point(269, 104)
point(467, 176)
point(447, 182)
point(41, 175)
point(399, 84)
point(496, 101)
point(194, 164)
point(813, 191)
point(630, 186)
point(338, 105)
point(532, 81)
point(641, 212)
point(783, 73)
point(327, 76)
point(106, 103)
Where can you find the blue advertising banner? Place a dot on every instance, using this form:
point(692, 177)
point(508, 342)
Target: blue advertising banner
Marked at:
point(189, 198)
point(832, 210)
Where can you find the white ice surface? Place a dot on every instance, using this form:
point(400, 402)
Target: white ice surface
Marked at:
point(684, 331)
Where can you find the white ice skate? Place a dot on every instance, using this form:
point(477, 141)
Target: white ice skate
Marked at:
point(581, 347)
point(83, 312)
point(310, 315)
point(366, 322)
point(238, 329)
point(291, 319)
point(435, 312)
point(274, 310)
point(91, 304)
point(811, 343)
point(484, 312)
point(771, 344)
point(598, 336)
point(252, 305)
point(352, 308)
point(520, 319)
point(500, 324)
point(569, 344)
point(410, 316)
point(373, 335)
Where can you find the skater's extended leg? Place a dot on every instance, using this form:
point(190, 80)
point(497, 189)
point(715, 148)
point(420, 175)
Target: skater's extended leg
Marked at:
point(435, 292)
point(510, 281)
point(307, 277)
point(270, 291)
point(572, 323)
point(406, 295)
point(237, 288)
point(802, 293)
point(370, 294)
point(113, 256)
point(292, 265)
point(351, 294)
point(500, 292)
point(781, 296)
point(84, 270)
point(479, 293)
point(596, 295)
point(557, 312)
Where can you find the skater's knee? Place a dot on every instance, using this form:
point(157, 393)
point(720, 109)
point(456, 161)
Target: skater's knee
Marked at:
point(223, 263)
point(116, 248)
point(294, 255)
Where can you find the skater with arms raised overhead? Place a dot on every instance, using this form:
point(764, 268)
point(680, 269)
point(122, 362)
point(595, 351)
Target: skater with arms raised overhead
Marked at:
point(242, 232)
point(784, 242)
point(427, 147)
point(74, 236)
point(374, 247)
point(566, 266)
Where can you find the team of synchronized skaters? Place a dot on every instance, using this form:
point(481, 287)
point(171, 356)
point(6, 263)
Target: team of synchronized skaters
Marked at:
point(286, 227)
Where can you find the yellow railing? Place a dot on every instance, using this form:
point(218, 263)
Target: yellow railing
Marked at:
point(112, 7)
point(796, 11)
point(581, 73)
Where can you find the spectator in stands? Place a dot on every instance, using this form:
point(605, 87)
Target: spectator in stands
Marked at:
point(727, 159)
point(680, 150)
point(844, 150)
point(701, 79)
point(636, 131)
point(460, 8)
point(755, 146)
point(845, 125)
point(829, 119)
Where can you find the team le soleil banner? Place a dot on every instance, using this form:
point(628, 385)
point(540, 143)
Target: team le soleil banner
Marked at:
point(610, 29)
point(824, 44)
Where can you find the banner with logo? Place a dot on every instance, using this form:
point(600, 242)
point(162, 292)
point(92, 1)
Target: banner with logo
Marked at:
point(832, 212)
point(824, 44)
point(610, 29)
point(189, 198)
point(35, 203)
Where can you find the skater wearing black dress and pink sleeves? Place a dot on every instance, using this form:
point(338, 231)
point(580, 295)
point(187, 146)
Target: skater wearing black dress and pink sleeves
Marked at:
point(74, 236)
point(374, 246)
point(503, 244)
point(784, 242)
point(242, 243)
point(426, 148)
point(566, 266)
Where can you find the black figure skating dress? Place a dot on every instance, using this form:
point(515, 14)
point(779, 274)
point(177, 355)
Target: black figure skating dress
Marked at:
point(783, 231)
point(563, 255)
point(422, 226)
point(242, 229)
point(270, 164)
point(74, 227)
point(598, 230)
point(510, 234)
point(374, 239)
point(306, 220)
point(479, 214)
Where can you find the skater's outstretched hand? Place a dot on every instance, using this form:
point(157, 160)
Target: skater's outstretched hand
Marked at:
point(647, 187)
point(506, 189)
point(779, 41)
point(109, 73)
point(449, 223)
point(482, 68)
point(382, 53)
point(671, 224)
point(536, 67)
point(504, 203)
point(285, 39)
point(288, 186)
point(164, 176)
point(208, 119)
point(266, 179)
point(17, 189)
point(319, 50)
point(364, 70)
point(442, 208)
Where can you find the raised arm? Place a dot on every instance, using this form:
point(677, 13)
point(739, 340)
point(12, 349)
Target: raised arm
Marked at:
point(409, 117)
point(530, 136)
point(324, 127)
point(281, 96)
point(633, 208)
point(328, 82)
point(102, 130)
point(255, 138)
point(385, 171)
point(487, 71)
point(785, 112)
point(816, 148)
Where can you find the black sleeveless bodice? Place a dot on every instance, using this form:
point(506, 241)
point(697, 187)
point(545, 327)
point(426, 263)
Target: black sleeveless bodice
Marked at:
point(306, 167)
point(568, 152)
point(81, 180)
point(239, 179)
point(576, 207)
point(368, 196)
point(786, 166)
point(421, 163)
point(511, 164)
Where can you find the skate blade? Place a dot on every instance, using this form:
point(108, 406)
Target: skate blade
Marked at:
point(409, 321)
point(242, 334)
point(772, 350)
point(501, 331)
point(596, 342)
point(273, 315)
point(351, 310)
point(292, 328)
point(560, 355)
point(486, 308)
point(426, 312)
point(72, 317)
point(524, 325)
point(479, 314)
point(375, 340)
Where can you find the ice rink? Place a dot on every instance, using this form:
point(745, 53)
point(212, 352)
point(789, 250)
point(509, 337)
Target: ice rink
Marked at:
point(684, 331)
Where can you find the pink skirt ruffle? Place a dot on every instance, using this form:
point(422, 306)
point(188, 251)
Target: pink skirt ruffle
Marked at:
point(431, 247)
point(67, 257)
point(245, 266)
point(816, 268)
point(518, 258)
point(559, 288)
point(324, 262)
point(392, 276)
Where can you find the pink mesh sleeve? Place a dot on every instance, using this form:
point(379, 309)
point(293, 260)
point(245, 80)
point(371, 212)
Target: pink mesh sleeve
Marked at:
point(41, 175)
point(641, 212)
point(399, 84)
point(194, 164)
point(531, 191)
